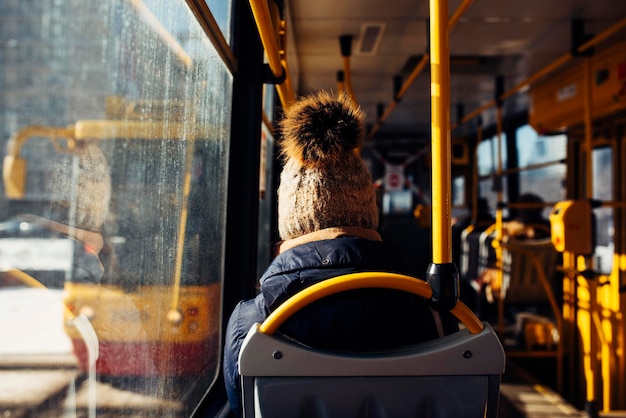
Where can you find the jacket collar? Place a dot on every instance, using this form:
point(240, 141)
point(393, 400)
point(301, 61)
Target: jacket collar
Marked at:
point(330, 233)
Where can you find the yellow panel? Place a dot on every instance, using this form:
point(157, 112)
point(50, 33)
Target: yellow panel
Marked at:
point(558, 102)
point(609, 81)
point(570, 223)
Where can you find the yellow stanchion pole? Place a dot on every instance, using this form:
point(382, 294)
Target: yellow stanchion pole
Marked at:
point(440, 131)
point(442, 275)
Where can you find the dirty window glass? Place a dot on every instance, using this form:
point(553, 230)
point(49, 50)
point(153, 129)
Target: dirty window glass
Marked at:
point(114, 128)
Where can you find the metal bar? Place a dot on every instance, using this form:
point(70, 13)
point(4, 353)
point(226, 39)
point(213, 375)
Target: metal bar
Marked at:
point(417, 70)
point(409, 81)
point(384, 116)
point(458, 13)
point(476, 112)
point(348, 79)
point(263, 19)
point(550, 68)
point(440, 126)
point(603, 35)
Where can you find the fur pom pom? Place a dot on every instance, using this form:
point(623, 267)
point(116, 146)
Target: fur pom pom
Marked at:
point(321, 128)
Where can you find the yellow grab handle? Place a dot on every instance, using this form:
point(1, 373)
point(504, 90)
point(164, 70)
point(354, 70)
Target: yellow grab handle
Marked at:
point(359, 281)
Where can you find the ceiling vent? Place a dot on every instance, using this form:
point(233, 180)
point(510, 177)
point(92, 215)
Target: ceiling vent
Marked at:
point(369, 40)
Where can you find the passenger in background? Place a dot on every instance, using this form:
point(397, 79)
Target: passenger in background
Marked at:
point(529, 222)
point(327, 219)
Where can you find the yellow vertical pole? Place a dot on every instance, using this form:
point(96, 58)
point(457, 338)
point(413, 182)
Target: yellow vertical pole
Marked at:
point(499, 218)
point(499, 182)
point(569, 338)
point(588, 304)
point(440, 125)
point(442, 274)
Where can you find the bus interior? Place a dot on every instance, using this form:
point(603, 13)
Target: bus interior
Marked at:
point(140, 169)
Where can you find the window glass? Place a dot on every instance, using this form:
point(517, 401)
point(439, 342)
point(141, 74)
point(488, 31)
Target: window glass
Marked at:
point(114, 129)
point(546, 181)
point(488, 155)
point(602, 174)
point(486, 190)
point(458, 191)
point(266, 210)
point(221, 11)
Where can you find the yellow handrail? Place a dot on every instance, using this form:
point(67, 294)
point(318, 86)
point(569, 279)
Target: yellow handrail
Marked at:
point(547, 70)
point(359, 281)
point(262, 16)
point(416, 71)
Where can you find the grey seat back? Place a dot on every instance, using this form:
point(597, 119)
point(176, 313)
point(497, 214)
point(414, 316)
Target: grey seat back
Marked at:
point(453, 376)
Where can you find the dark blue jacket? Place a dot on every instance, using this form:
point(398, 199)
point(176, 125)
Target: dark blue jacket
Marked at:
point(358, 320)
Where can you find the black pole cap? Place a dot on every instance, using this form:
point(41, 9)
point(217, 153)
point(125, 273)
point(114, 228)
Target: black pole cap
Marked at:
point(345, 43)
point(444, 280)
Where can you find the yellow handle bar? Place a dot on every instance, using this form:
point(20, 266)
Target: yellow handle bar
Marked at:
point(359, 281)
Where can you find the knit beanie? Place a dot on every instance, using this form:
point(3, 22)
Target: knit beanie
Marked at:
point(81, 186)
point(324, 182)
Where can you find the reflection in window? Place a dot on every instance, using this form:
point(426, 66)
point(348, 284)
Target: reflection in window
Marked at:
point(123, 108)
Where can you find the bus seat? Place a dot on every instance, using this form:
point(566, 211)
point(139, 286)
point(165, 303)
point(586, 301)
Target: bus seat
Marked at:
point(528, 270)
point(456, 375)
point(475, 255)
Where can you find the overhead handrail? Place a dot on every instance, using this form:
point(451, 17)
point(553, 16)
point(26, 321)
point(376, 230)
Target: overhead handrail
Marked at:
point(416, 71)
point(277, 63)
point(528, 167)
point(607, 33)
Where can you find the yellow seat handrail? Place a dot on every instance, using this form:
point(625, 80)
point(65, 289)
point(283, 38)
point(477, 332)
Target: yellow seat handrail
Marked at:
point(362, 280)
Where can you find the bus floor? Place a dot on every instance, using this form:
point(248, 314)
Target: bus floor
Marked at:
point(523, 396)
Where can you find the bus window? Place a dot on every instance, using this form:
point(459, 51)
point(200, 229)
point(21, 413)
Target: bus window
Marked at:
point(545, 181)
point(602, 160)
point(131, 94)
point(458, 191)
point(487, 154)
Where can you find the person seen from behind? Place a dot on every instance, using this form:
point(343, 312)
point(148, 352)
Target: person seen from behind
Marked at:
point(327, 221)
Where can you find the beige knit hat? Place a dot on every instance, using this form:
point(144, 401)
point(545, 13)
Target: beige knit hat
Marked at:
point(324, 182)
point(81, 186)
